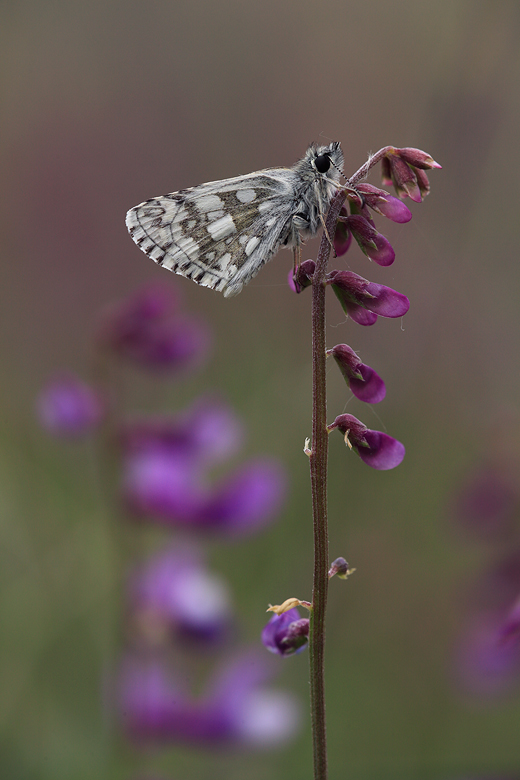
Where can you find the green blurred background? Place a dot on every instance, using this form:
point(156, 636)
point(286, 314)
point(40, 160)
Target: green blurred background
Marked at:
point(108, 103)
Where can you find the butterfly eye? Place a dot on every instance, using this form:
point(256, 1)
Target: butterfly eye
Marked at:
point(322, 163)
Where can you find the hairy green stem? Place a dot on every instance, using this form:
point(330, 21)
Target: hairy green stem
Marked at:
point(318, 467)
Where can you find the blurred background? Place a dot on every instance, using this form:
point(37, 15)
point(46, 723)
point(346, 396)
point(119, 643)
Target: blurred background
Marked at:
point(107, 104)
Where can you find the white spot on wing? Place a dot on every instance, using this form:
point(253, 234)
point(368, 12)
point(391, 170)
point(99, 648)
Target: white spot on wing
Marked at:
point(208, 203)
point(221, 228)
point(224, 261)
point(251, 245)
point(246, 196)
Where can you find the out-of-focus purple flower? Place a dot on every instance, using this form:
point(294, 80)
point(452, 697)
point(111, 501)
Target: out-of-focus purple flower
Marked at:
point(286, 634)
point(162, 483)
point(146, 330)
point(486, 502)
point(246, 500)
point(68, 407)
point(371, 243)
point(174, 591)
point(509, 632)
point(375, 448)
point(362, 380)
point(165, 477)
point(485, 665)
point(488, 656)
point(208, 432)
point(236, 709)
point(363, 300)
point(153, 703)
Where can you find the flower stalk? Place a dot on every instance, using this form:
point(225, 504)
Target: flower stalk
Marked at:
point(318, 467)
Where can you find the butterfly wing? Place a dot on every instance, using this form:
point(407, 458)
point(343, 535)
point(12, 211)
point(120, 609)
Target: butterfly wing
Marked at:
point(221, 233)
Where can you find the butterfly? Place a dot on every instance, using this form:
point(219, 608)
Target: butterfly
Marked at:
point(221, 233)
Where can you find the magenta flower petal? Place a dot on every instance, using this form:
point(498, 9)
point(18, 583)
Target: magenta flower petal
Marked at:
point(387, 302)
point(383, 203)
point(354, 291)
point(395, 210)
point(371, 389)
point(360, 315)
point(362, 380)
point(383, 254)
point(383, 453)
point(68, 407)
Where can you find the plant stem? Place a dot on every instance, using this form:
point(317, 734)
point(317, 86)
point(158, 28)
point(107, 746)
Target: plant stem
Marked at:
point(318, 467)
point(372, 160)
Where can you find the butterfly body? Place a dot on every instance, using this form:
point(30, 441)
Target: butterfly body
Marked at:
point(221, 233)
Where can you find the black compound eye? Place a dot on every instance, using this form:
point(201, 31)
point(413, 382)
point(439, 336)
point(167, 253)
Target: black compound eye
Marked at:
point(322, 163)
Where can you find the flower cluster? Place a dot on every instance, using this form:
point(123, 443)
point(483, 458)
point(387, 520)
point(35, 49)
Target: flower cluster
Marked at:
point(165, 469)
point(364, 301)
point(176, 607)
point(486, 507)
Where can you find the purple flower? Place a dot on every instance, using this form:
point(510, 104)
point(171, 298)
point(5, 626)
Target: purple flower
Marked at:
point(376, 449)
point(236, 708)
point(165, 477)
point(363, 301)
point(68, 407)
point(362, 380)
point(286, 634)
point(146, 330)
point(383, 203)
point(371, 243)
point(173, 591)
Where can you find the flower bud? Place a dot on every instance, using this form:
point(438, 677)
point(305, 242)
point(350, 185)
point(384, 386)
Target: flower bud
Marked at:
point(417, 158)
point(341, 568)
